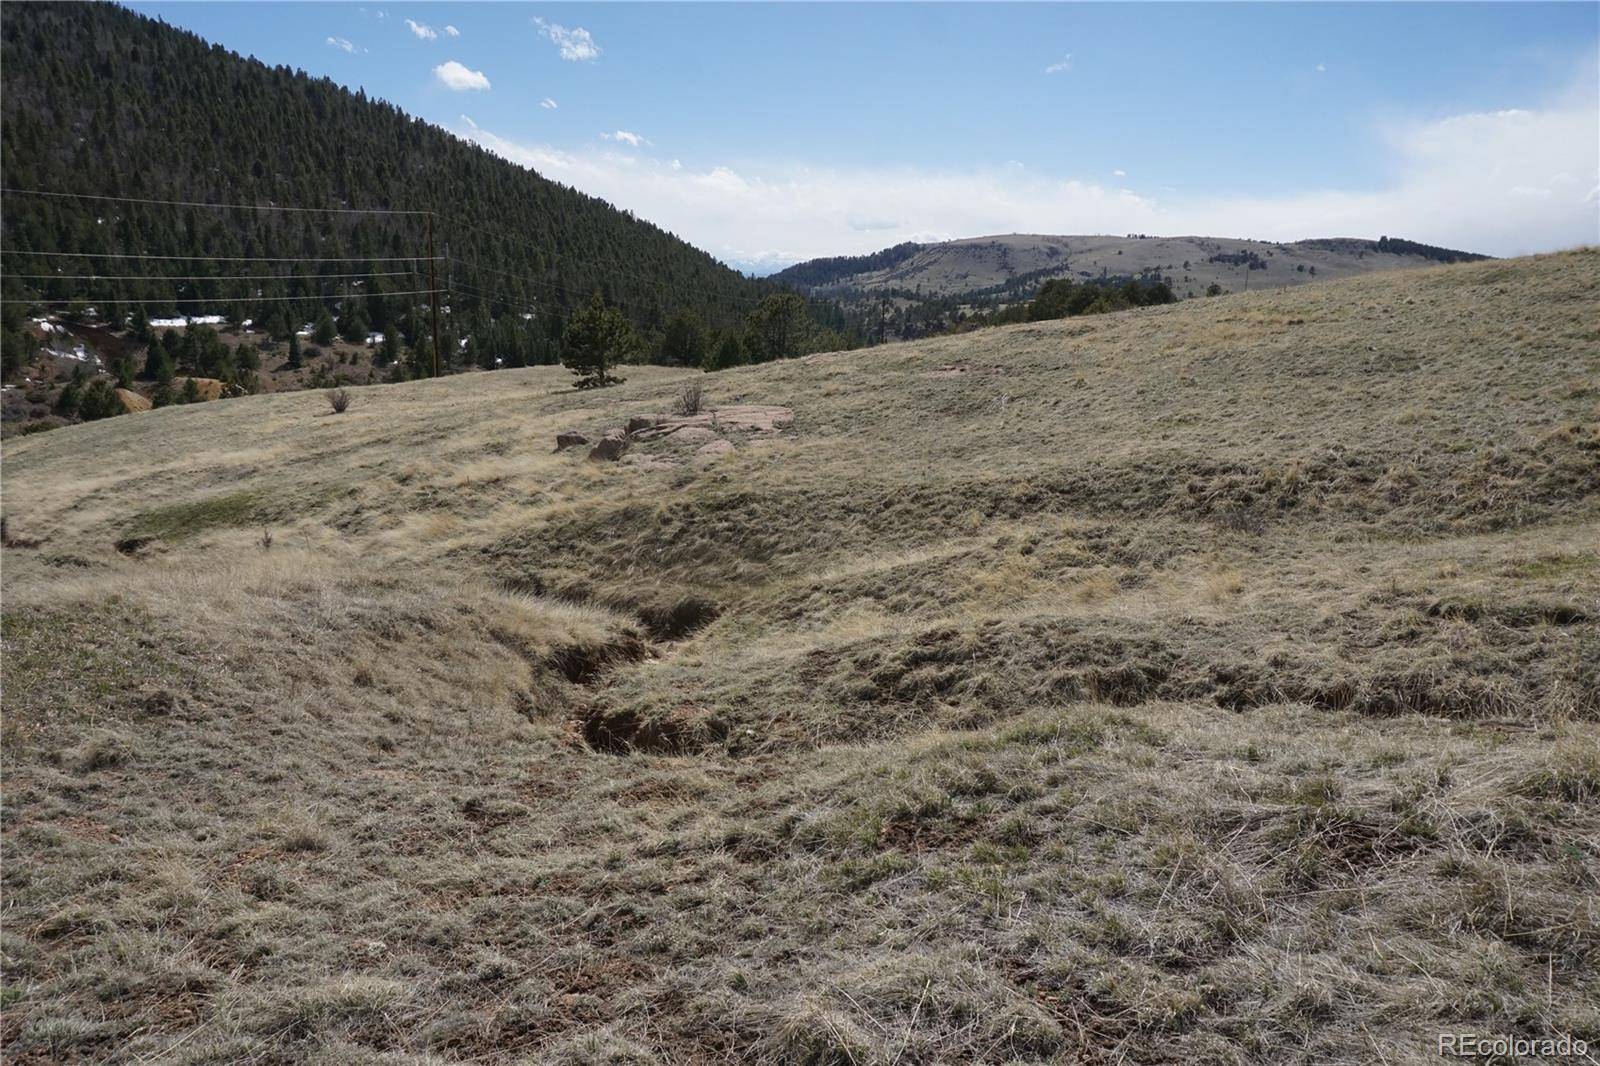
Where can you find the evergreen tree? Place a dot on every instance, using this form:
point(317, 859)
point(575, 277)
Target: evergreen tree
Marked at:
point(325, 331)
point(277, 325)
point(777, 328)
point(98, 401)
point(16, 344)
point(683, 343)
point(67, 401)
point(484, 349)
point(139, 325)
point(295, 362)
point(728, 353)
point(389, 352)
point(595, 339)
point(353, 324)
point(157, 363)
point(421, 358)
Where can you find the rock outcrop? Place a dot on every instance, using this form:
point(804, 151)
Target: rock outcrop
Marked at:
point(131, 401)
point(735, 418)
point(612, 446)
point(570, 439)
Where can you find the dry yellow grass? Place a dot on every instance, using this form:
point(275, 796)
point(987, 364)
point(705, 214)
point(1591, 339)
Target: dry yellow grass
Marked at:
point(1208, 683)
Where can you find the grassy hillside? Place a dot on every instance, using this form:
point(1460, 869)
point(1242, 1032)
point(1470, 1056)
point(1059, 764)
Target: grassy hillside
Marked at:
point(1214, 682)
point(1010, 266)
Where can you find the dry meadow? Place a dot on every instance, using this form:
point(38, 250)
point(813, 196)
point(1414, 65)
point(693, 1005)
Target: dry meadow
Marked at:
point(1215, 683)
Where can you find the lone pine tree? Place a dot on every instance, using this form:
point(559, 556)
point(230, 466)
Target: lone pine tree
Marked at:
point(596, 337)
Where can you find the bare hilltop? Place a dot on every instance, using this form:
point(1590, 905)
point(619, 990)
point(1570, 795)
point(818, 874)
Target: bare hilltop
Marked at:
point(1012, 263)
point(1213, 682)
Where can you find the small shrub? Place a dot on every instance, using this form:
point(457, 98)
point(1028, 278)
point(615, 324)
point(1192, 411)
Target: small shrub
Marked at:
point(339, 400)
point(10, 541)
point(690, 397)
point(1571, 773)
point(301, 832)
point(355, 1000)
point(266, 540)
point(102, 750)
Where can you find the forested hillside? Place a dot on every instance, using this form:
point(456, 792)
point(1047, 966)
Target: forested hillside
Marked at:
point(100, 101)
point(827, 271)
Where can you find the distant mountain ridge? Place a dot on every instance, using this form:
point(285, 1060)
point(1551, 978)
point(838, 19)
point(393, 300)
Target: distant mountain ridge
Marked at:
point(1014, 263)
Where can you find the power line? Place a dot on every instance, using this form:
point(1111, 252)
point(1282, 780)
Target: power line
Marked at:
point(289, 208)
point(196, 203)
point(736, 305)
point(211, 277)
point(583, 262)
point(465, 288)
point(206, 299)
point(227, 258)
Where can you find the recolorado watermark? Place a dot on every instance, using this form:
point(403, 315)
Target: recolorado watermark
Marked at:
point(1477, 1045)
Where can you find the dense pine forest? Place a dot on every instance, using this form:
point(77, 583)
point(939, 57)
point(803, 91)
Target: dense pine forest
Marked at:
point(101, 102)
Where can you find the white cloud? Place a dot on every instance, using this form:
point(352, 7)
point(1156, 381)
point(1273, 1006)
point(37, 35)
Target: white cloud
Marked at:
point(625, 137)
point(1119, 173)
point(548, 104)
point(451, 31)
point(576, 45)
point(422, 30)
point(343, 45)
point(1061, 66)
point(1502, 182)
point(453, 75)
point(1322, 68)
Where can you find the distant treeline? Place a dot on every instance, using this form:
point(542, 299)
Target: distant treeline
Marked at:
point(1064, 298)
point(1245, 258)
point(815, 273)
point(1396, 246)
point(1392, 246)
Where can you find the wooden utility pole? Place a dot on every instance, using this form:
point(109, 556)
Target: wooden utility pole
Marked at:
point(433, 301)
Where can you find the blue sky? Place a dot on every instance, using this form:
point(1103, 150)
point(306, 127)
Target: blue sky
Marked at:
point(769, 133)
